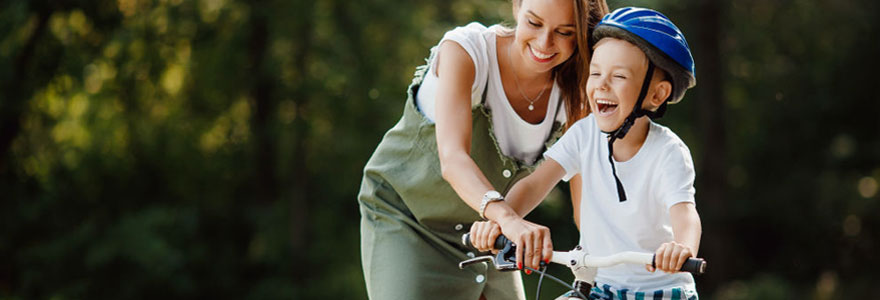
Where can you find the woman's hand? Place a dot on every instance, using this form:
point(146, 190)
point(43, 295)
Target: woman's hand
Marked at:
point(670, 256)
point(483, 235)
point(533, 243)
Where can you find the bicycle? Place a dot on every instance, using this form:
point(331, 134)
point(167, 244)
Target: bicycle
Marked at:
point(582, 264)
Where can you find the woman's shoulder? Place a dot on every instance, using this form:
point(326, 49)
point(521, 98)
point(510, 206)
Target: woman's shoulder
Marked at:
point(472, 27)
point(474, 30)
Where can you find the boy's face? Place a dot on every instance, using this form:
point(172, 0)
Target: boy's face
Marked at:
point(616, 73)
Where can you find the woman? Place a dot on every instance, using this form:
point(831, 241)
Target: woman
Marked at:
point(476, 120)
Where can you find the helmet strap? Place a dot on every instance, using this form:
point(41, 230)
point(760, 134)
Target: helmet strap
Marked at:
point(630, 120)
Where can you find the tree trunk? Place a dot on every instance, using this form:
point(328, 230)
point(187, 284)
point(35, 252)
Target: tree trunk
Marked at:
point(712, 173)
point(300, 186)
point(261, 92)
point(20, 86)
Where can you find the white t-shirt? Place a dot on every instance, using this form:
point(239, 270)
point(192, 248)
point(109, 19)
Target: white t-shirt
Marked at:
point(660, 175)
point(516, 137)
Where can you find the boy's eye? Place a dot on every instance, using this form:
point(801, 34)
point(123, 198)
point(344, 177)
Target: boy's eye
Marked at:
point(534, 24)
point(619, 76)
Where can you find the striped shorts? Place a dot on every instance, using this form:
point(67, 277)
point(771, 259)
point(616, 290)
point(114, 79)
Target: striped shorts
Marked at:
point(606, 292)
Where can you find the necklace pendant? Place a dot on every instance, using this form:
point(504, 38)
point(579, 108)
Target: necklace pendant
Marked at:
point(531, 107)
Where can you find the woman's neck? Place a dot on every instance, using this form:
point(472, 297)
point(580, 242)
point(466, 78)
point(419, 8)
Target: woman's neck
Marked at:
point(520, 62)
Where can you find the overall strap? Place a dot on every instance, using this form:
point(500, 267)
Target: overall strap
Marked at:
point(485, 89)
point(558, 104)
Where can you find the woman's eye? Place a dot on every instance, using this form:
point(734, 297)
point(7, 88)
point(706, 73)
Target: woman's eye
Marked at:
point(534, 24)
point(565, 33)
point(594, 74)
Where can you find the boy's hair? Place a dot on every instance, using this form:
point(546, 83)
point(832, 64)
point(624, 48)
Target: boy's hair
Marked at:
point(660, 40)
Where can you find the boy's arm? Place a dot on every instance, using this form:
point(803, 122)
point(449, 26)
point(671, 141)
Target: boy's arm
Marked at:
point(686, 225)
point(686, 229)
point(575, 184)
point(527, 193)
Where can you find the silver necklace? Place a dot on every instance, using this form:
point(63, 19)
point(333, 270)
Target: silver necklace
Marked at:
point(516, 80)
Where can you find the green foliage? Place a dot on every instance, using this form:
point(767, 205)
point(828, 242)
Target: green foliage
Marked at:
point(214, 148)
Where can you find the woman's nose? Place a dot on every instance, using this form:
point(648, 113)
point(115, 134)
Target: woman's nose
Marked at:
point(545, 40)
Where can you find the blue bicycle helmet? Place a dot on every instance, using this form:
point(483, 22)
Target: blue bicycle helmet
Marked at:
point(658, 37)
point(665, 46)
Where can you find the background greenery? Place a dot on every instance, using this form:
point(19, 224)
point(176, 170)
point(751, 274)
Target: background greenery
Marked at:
point(214, 148)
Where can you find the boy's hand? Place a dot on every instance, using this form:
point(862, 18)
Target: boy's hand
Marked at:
point(483, 235)
point(670, 256)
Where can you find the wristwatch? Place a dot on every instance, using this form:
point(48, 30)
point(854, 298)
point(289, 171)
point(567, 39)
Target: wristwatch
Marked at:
point(490, 196)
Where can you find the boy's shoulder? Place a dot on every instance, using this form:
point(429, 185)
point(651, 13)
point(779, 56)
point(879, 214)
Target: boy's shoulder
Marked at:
point(668, 142)
point(584, 130)
point(665, 133)
point(585, 125)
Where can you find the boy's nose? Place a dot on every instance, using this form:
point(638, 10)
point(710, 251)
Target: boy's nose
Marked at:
point(602, 83)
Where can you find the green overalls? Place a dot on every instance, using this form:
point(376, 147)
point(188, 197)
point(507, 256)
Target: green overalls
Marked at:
point(412, 220)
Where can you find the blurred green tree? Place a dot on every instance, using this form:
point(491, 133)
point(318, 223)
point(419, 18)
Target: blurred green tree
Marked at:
point(213, 148)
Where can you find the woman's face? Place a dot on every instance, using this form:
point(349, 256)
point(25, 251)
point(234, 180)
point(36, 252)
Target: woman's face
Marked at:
point(545, 33)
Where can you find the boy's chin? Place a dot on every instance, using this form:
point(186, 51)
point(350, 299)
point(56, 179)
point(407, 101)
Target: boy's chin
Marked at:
point(608, 125)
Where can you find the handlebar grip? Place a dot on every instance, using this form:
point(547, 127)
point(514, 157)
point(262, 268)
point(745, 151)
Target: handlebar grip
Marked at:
point(500, 241)
point(694, 265)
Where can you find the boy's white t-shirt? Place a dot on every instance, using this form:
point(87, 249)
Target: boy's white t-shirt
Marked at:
point(660, 175)
point(516, 137)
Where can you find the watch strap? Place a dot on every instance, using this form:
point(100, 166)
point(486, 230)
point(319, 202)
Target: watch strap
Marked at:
point(489, 197)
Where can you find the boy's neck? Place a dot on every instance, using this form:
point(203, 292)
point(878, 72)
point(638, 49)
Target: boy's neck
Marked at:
point(627, 147)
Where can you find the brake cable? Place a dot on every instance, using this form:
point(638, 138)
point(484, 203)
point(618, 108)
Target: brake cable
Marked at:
point(543, 273)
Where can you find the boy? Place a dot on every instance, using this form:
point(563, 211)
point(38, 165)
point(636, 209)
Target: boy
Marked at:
point(643, 200)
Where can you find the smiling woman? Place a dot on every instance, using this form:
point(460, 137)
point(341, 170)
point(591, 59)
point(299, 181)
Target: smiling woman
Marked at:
point(490, 100)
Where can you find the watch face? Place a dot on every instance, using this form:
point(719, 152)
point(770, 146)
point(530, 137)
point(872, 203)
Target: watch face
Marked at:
point(493, 195)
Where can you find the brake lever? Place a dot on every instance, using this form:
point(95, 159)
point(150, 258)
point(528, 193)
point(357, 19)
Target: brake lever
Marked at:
point(504, 261)
point(484, 258)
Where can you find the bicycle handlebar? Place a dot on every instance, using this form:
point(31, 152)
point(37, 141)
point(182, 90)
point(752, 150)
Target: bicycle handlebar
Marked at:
point(579, 257)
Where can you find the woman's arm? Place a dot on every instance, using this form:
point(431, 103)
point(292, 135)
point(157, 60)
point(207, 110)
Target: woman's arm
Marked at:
point(456, 73)
point(533, 240)
point(686, 229)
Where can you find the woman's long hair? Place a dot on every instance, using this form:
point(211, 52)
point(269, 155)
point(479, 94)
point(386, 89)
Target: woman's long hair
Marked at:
point(571, 75)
